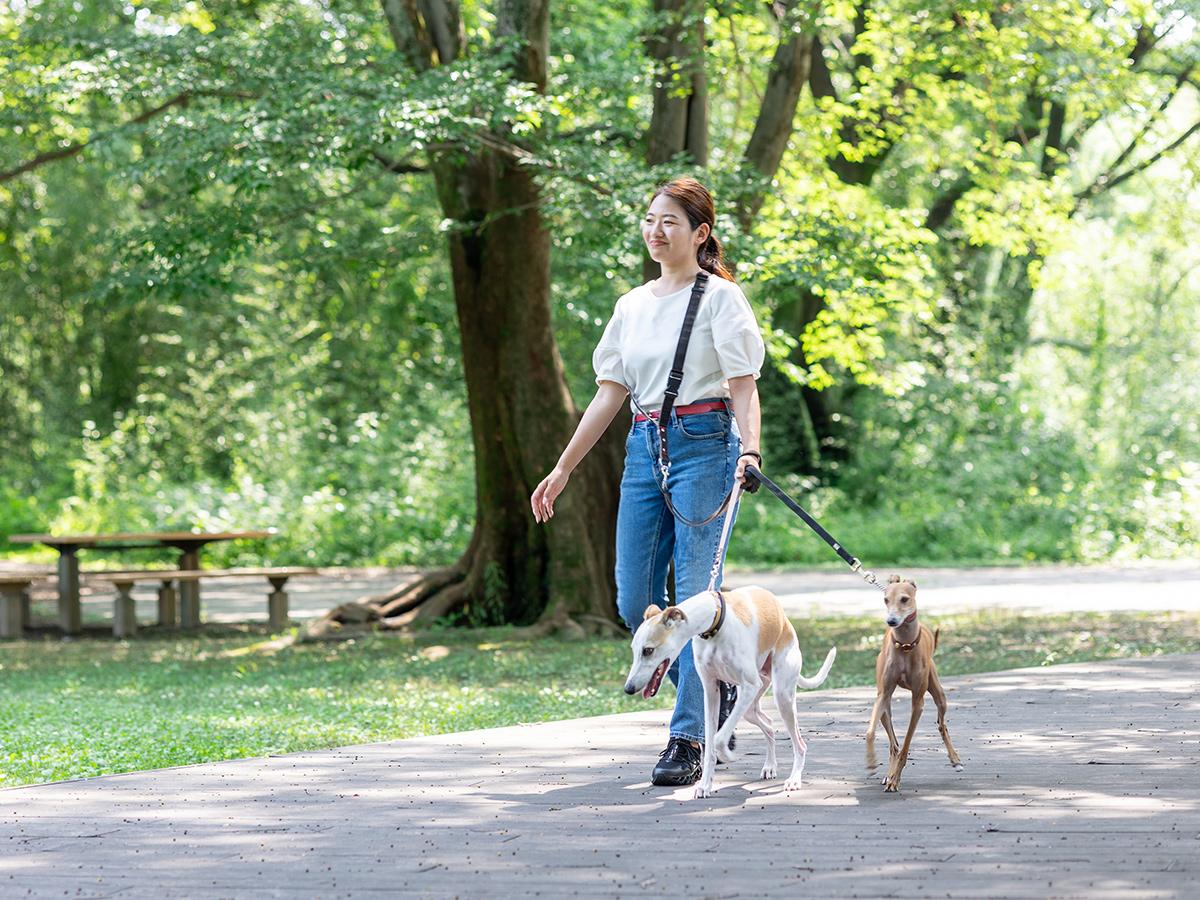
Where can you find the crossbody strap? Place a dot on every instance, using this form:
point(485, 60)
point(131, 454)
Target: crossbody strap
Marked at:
point(675, 378)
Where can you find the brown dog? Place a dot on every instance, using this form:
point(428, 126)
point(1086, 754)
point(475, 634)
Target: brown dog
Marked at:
point(906, 660)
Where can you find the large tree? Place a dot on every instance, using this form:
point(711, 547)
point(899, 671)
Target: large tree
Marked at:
point(522, 413)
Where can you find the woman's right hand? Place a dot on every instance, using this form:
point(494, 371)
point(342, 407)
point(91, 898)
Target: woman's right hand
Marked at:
point(546, 493)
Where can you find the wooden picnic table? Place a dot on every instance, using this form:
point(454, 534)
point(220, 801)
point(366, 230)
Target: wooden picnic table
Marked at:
point(188, 543)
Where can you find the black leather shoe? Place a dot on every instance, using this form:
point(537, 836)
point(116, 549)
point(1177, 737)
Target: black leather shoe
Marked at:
point(678, 764)
point(728, 699)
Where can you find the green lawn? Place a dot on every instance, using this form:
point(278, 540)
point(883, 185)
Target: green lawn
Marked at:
point(97, 706)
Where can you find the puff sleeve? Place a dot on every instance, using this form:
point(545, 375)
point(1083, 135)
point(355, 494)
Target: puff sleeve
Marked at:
point(736, 335)
point(606, 358)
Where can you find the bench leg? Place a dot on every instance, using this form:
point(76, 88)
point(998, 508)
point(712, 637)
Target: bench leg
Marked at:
point(277, 604)
point(168, 613)
point(12, 612)
point(26, 609)
point(189, 591)
point(70, 613)
point(124, 611)
point(189, 605)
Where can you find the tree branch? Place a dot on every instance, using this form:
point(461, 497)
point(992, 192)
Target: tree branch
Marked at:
point(397, 167)
point(1052, 146)
point(1107, 181)
point(1180, 80)
point(75, 149)
point(1064, 343)
point(788, 74)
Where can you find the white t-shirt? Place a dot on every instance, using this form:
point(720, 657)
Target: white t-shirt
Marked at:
point(638, 344)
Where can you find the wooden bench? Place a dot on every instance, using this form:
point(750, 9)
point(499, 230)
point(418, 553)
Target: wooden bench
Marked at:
point(125, 618)
point(14, 603)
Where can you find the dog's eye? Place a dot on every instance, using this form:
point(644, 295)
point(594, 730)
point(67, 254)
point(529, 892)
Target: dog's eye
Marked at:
point(647, 651)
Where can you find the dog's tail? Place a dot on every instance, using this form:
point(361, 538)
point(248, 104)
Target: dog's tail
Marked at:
point(936, 634)
point(819, 679)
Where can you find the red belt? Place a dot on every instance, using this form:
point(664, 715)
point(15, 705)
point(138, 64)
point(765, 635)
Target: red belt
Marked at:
point(690, 409)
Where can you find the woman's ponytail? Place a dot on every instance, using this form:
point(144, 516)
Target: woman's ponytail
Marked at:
point(711, 257)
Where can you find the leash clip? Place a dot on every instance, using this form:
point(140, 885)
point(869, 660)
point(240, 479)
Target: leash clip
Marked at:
point(867, 575)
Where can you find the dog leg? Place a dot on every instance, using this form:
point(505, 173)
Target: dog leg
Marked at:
point(756, 715)
point(892, 784)
point(712, 706)
point(939, 699)
point(885, 716)
point(786, 675)
point(876, 712)
point(747, 696)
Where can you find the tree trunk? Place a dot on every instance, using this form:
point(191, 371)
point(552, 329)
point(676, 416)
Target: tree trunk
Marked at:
point(521, 412)
point(679, 115)
point(514, 570)
point(679, 118)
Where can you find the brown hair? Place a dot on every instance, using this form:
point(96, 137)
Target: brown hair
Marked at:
point(697, 204)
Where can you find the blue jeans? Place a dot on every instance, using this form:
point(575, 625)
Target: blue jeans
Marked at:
point(704, 448)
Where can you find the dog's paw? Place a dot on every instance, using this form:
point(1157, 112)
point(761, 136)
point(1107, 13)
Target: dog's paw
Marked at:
point(724, 754)
point(792, 784)
point(958, 767)
point(891, 785)
point(768, 772)
point(701, 792)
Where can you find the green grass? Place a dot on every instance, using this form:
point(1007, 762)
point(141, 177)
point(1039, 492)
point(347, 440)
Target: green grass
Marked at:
point(97, 706)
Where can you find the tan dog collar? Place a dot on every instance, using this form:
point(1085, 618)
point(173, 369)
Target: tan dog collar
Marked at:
point(718, 619)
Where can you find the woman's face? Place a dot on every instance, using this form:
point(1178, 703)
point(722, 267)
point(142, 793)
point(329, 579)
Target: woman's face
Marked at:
point(669, 235)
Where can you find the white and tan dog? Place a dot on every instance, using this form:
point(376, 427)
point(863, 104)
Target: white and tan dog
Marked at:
point(743, 638)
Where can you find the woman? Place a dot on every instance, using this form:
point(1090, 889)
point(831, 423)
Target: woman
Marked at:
point(708, 449)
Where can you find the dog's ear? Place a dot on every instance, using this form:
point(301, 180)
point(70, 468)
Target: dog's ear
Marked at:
point(913, 583)
point(672, 615)
point(651, 612)
point(892, 579)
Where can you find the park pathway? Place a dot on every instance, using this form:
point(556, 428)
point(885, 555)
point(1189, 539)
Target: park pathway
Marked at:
point(1081, 781)
point(1173, 585)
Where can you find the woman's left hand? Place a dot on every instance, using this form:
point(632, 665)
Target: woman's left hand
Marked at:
point(748, 457)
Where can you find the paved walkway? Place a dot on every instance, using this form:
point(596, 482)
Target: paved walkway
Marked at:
point(1059, 588)
point(1080, 781)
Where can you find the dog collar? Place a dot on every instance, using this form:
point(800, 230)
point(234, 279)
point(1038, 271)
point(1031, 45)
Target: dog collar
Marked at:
point(904, 648)
point(718, 619)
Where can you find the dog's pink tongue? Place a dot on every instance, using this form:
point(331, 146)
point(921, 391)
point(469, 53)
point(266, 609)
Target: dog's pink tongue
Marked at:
point(655, 680)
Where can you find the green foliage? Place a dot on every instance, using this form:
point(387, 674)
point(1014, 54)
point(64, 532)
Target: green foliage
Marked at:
point(85, 708)
point(233, 307)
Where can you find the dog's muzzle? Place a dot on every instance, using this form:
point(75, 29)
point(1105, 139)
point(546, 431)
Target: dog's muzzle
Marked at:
point(629, 688)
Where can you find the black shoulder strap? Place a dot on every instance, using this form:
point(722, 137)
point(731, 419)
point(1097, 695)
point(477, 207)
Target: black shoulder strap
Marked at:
point(675, 379)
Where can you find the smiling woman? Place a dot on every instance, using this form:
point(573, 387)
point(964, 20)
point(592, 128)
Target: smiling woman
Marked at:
point(706, 410)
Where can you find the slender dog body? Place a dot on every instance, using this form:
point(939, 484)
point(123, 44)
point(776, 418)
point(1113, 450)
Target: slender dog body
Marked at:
point(742, 637)
point(905, 661)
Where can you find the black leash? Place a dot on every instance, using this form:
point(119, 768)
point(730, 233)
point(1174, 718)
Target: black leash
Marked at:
point(753, 473)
